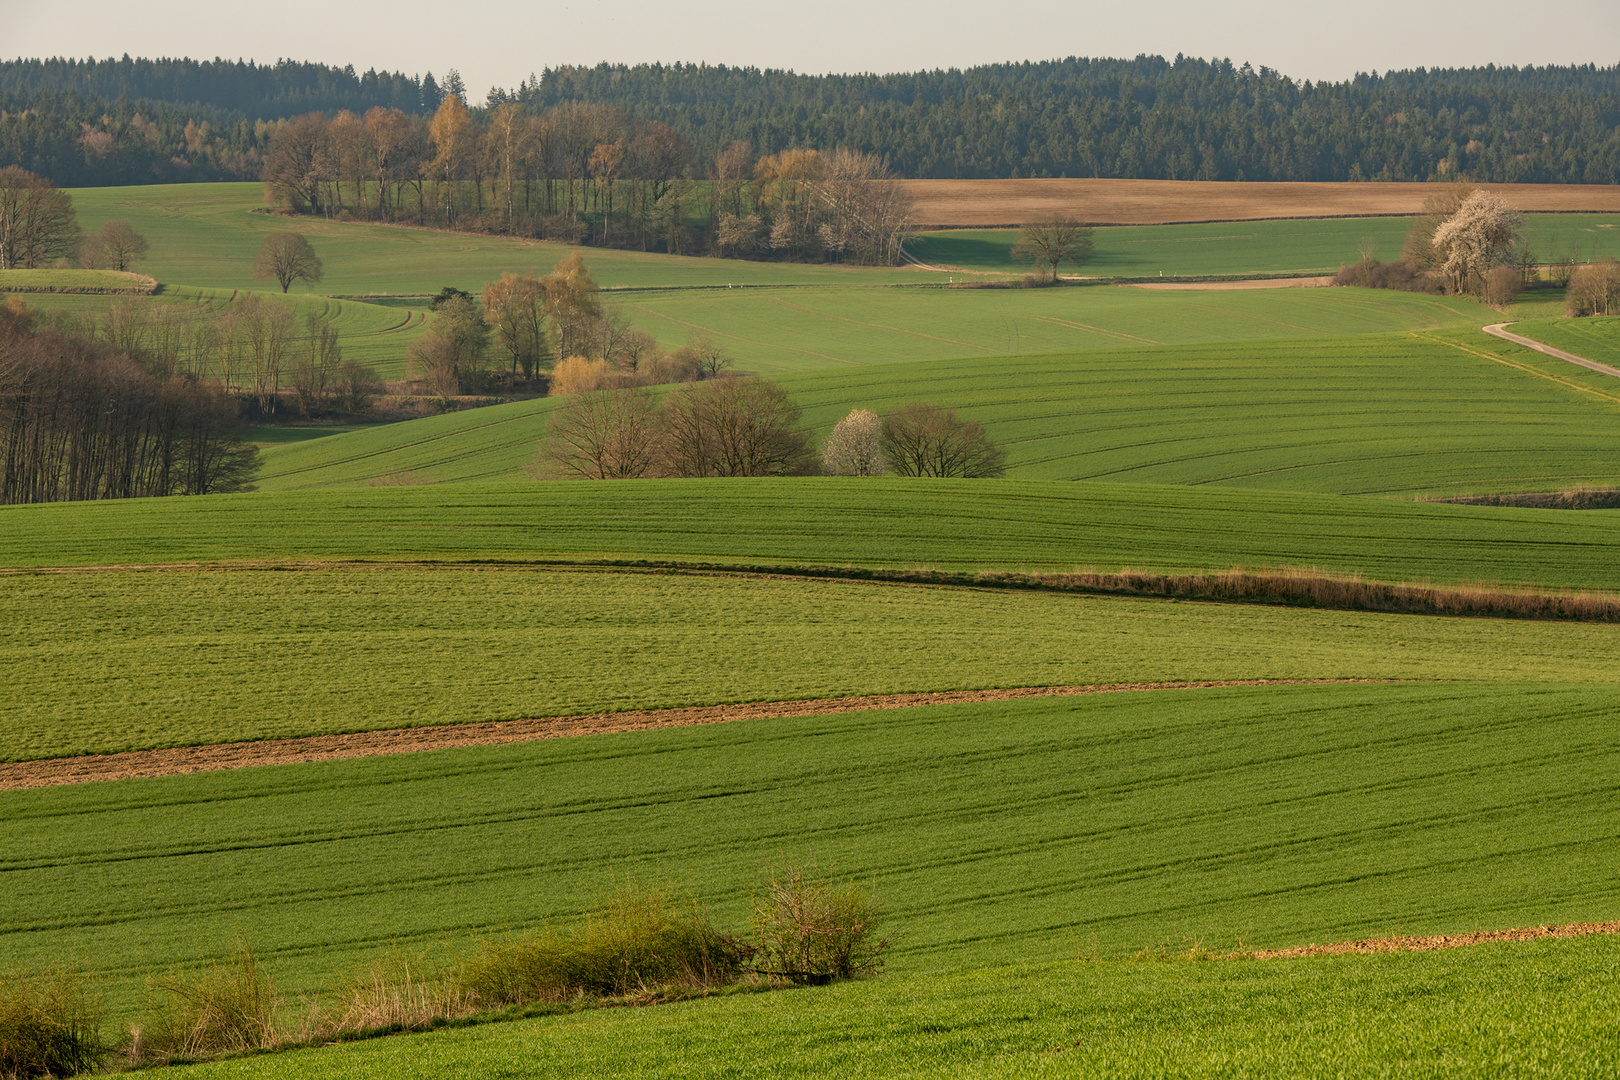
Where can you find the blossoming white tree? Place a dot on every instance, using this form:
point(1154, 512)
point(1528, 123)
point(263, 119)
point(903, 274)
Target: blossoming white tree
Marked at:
point(855, 446)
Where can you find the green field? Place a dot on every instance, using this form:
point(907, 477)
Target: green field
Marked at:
point(1250, 247)
point(771, 331)
point(1595, 339)
point(209, 235)
point(1531, 1010)
point(1412, 414)
point(889, 522)
point(997, 833)
point(206, 657)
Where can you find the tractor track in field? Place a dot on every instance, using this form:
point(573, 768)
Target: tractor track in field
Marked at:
point(184, 760)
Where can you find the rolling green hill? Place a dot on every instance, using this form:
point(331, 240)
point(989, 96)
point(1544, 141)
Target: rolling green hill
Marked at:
point(1444, 413)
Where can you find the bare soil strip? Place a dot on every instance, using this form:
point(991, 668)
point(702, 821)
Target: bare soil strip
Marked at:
point(1500, 330)
point(52, 772)
point(1440, 941)
point(983, 204)
point(1225, 286)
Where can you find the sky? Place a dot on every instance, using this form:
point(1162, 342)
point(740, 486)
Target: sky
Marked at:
point(500, 42)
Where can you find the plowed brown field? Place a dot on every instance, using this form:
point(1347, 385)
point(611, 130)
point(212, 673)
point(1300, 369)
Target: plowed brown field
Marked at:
point(966, 204)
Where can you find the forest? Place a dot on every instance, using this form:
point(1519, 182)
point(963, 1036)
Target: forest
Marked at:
point(84, 123)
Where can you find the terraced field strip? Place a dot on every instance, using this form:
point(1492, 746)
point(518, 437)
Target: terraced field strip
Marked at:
point(181, 761)
point(943, 204)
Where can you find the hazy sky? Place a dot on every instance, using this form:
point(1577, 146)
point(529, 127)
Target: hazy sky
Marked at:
point(499, 42)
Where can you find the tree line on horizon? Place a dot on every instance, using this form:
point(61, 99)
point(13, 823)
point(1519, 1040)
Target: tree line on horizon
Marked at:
point(85, 123)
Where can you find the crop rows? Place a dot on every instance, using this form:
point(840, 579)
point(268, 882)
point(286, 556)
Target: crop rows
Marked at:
point(995, 833)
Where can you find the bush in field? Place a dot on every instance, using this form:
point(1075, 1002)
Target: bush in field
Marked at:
point(230, 1006)
point(813, 930)
point(923, 440)
point(49, 1026)
point(639, 942)
point(855, 447)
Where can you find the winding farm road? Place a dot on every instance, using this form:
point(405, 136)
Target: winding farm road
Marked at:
point(1501, 330)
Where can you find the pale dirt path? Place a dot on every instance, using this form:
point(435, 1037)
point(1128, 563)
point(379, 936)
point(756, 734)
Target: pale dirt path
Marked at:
point(52, 772)
point(1501, 330)
point(1439, 941)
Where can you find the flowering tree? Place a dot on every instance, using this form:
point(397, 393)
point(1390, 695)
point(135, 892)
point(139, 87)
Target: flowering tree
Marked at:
point(855, 447)
point(1477, 238)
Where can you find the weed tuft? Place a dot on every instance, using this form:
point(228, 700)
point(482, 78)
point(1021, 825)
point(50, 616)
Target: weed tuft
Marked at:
point(229, 1007)
point(638, 943)
point(49, 1026)
point(812, 929)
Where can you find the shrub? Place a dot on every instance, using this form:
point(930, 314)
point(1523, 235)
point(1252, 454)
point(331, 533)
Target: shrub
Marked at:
point(812, 931)
point(230, 1006)
point(577, 375)
point(638, 943)
point(49, 1026)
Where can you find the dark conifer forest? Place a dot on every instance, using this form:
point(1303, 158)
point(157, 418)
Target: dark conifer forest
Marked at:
point(133, 121)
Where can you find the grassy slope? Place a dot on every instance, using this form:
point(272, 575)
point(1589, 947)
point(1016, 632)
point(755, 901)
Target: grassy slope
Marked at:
point(825, 521)
point(205, 234)
point(1250, 247)
point(87, 280)
point(792, 330)
point(1435, 413)
point(207, 657)
point(1530, 1010)
point(996, 833)
point(1595, 339)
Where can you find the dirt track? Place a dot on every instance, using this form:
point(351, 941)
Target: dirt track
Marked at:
point(52, 772)
point(1440, 941)
point(962, 204)
point(1500, 330)
point(1227, 286)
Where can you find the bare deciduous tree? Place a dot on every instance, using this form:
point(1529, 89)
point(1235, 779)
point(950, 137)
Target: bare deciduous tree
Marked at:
point(923, 440)
point(287, 257)
point(734, 426)
point(515, 307)
point(604, 435)
point(1594, 289)
point(37, 224)
point(117, 246)
point(1053, 242)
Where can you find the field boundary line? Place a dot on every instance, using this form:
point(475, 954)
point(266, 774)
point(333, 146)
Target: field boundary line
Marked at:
point(220, 757)
point(1272, 586)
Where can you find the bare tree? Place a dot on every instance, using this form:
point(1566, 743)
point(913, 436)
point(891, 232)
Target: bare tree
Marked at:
point(449, 356)
point(855, 447)
point(923, 440)
point(604, 435)
point(739, 426)
point(1053, 242)
point(37, 223)
point(287, 257)
point(515, 307)
point(117, 246)
point(701, 357)
point(315, 372)
point(298, 161)
point(1594, 289)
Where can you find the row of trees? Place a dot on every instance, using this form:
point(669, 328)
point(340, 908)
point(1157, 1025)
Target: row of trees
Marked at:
point(81, 420)
point(140, 121)
point(586, 173)
point(748, 426)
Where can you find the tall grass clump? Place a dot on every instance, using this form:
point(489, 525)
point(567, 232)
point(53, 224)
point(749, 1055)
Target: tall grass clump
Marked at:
point(643, 944)
point(49, 1026)
point(812, 930)
point(400, 992)
point(229, 1007)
